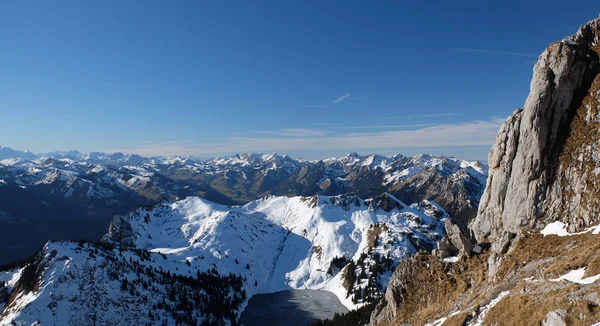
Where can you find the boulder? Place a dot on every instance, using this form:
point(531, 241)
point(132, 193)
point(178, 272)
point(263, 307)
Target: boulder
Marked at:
point(494, 262)
point(445, 249)
point(593, 298)
point(555, 318)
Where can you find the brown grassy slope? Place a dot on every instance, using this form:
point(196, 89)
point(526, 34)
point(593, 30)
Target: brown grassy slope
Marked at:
point(541, 259)
point(373, 233)
point(433, 289)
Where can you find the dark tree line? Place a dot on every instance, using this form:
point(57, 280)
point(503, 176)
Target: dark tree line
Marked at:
point(207, 296)
point(358, 317)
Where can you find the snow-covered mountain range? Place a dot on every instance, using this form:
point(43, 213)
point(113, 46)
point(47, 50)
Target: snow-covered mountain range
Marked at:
point(70, 195)
point(160, 264)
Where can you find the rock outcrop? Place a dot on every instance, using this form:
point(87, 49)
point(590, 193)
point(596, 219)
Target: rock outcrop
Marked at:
point(455, 243)
point(458, 239)
point(120, 231)
point(546, 158)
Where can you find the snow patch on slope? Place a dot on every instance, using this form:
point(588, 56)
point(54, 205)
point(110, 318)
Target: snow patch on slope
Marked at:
point(560, 229)
point(485, 309)
point(576, 276)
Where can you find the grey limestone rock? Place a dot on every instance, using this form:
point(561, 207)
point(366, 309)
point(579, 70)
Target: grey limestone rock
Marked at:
point(494, 262)
point(458, 239)
point(455, 243)
point(593, 298)
point(540, 171)
point(555, 318)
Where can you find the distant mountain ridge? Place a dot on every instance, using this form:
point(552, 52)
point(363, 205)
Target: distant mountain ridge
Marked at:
point(70, 195)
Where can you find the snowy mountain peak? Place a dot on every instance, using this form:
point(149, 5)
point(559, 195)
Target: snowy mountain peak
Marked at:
point(374, 161)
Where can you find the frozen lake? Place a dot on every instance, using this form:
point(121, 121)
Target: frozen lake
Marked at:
point(291, 307)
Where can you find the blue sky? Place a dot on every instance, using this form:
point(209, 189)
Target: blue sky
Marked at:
point(311, 79)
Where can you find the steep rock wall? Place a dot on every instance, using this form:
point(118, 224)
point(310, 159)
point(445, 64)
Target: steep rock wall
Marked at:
point(546, 155)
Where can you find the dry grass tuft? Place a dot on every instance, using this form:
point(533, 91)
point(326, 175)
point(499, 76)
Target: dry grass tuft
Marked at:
point(457, 320)
point(525, 309)
point(431, 287)
point(562, 254)
point(372, 235)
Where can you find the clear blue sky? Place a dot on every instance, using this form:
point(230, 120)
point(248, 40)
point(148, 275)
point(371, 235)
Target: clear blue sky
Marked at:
point(308, 78)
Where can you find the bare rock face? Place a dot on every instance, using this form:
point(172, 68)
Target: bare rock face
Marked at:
point(388, 307)
point(444, 249)
point(455, 243)
point(546, 158)
point(120, 231)
point(458, 239)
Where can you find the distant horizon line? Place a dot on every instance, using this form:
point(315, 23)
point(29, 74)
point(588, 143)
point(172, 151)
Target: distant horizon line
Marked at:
point(52, 154)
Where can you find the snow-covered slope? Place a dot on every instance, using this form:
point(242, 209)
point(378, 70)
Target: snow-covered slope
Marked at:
point(83, 284)
point(283, 242)
point(342, 244)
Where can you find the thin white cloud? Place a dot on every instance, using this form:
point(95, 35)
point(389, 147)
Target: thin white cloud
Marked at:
point(341, 98)
point(427, 115)
point(495, 52)
point(357, 97)
point(288, 132)
point(442, 135)
point(391, 126)
point(430, 115)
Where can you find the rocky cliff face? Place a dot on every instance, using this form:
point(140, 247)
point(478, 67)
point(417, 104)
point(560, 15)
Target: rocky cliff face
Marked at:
point(544, 163)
